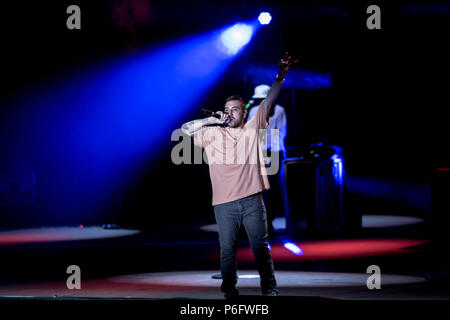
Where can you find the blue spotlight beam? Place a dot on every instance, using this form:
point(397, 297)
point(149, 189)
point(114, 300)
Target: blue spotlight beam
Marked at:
point(237, 36)
point(100, 121)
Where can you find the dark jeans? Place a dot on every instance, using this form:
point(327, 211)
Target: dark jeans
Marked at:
point(230, 216)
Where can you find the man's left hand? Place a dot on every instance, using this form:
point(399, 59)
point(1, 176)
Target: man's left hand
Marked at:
point(284, 65)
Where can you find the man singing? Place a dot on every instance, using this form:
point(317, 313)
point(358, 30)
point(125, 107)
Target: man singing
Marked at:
point(238, 176)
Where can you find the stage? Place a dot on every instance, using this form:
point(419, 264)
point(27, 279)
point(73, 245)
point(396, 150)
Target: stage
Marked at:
point(182, 263)
point(129, 128)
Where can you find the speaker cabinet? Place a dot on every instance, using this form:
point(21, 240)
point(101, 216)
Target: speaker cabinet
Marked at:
point(314, 192)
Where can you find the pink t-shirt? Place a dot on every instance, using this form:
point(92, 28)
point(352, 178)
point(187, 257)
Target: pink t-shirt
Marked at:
point(235, 158)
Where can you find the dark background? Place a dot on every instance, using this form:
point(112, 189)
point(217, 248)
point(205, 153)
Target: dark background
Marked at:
point(386, 108)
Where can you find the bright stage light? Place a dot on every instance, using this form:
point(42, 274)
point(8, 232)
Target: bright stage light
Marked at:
point(293, 248)
point(264, 18)
point(248, 276)
point(236, 37)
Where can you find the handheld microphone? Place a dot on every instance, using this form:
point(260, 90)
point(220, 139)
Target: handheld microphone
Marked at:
point(215, 115)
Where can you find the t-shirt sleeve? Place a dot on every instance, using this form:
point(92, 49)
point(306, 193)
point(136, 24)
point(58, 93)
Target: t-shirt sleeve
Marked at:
point(258, 121)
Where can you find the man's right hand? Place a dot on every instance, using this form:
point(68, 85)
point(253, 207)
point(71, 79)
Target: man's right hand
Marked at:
point(223, 118)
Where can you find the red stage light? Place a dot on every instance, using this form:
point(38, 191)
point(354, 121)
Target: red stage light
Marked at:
point(336, 249)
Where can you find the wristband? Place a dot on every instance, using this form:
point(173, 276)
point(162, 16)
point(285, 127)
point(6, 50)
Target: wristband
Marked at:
point(279, 79)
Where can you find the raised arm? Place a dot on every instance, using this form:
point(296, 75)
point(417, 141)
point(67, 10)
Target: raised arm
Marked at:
point(268, 102)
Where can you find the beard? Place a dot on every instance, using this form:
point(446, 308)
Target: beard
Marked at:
point(234, 123)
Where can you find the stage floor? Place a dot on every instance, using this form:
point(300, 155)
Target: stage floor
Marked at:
point(180, 262)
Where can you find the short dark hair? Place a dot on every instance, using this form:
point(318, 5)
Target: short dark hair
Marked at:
point(236, 97)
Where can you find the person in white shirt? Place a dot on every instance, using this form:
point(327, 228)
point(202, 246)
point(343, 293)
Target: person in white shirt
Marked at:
point(273, 144)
